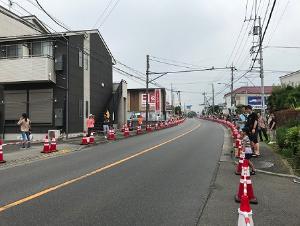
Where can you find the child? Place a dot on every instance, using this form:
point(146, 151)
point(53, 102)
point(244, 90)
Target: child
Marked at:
point(247, 149)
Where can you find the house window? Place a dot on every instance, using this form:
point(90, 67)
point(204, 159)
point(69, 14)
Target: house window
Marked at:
point(14, 51)
point(80, 58)
point(36, 49)
point(3, 51)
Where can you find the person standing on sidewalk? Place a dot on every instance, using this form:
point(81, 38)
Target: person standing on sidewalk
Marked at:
point(24, 124)
point(247, 148)
point(105, 125)
point(262, 129)
point(90, 124)
point(272, 128)
point(252, 127)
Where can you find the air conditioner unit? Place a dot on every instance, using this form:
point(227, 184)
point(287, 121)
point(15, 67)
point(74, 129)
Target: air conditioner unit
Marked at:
point(53, 134)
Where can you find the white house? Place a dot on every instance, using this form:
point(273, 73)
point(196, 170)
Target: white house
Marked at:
point(292, 79)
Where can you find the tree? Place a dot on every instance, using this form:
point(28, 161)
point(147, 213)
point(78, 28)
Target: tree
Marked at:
point(286, 97)
point(191, 114)
point(178, 110)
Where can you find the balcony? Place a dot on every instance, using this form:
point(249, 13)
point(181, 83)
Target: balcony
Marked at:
point(27, 69)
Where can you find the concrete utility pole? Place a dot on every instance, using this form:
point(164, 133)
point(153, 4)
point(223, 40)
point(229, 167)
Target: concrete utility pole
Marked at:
point(213, 98)
point(147, 88)
point(231, 87)
point(261, 69)
point(179, 98)
point(172, 99)
point(204, 100)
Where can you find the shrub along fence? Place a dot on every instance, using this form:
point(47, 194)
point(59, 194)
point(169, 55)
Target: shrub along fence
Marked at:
point(286, 117)
point(288, 140)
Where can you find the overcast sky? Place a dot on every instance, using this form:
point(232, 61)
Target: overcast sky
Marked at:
point(201, 33)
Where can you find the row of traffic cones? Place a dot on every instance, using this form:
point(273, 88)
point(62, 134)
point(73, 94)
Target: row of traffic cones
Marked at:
point(245, 194)
point(49, 147)
point(87, 140)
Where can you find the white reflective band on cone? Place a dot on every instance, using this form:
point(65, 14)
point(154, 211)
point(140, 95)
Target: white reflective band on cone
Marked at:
point(248, 181)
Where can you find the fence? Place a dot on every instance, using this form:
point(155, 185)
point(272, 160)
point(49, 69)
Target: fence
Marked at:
point(285, 116)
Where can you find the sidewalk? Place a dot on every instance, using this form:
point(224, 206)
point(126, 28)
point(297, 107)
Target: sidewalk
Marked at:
point(278, 197)
point(14, 155)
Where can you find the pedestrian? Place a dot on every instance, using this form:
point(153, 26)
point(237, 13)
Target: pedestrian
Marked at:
point(252, 128)
point(140, 120)
point(25, 126)
point(90, 124)
point(242, 119)
point(272, 128)
point(105, 125)
point(262, 128)
point(246, 144)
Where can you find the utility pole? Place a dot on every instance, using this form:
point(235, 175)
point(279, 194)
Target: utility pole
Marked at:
point(261, 69)
point(179, 98)
point(204, 102)
point(213, 98)
point(231, 86)
point(172, 99)
point(147, 88)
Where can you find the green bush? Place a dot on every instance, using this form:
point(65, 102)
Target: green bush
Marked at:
point(281, 136)
point(292, 138)
point(287, 152)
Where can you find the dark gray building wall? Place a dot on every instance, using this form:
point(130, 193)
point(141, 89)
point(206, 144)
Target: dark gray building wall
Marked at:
point(101, 72)
point(1, 112)
point(75, 85)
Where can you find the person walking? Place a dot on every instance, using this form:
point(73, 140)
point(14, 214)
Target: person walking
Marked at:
point(25, 127)
point(252, 127)
point(90, 124)
point(262, 128)
point(272, 128)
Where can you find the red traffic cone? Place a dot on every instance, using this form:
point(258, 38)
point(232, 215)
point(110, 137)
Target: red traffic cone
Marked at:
point(245, 186)
point(123, 128)
point(149, 128)
point(46, 148)
point(84, 140)
point(111, 135)
point(238, 168)
point(245, 212)
point(126, 132)
point(53, 147)
point(138, 130)
point(1, 153)
point(92, 138)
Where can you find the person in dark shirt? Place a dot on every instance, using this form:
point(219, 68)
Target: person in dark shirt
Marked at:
point(252, 127)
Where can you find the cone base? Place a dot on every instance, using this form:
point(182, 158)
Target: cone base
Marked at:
point(252, 201)
point(2, 161)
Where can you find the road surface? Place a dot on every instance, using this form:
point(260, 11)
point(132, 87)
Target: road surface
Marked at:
point(161, 178)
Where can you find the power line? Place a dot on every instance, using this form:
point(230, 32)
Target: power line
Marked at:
point(175, 61)
point(103, 12)
point(263, 36)
point(52, 18)
point(106, 17)
point(280, 18)
point(176, 65)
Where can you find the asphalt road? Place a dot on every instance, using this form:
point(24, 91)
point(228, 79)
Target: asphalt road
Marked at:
point(161, 178)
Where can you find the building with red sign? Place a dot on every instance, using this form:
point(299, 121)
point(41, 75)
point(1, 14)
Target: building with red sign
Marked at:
point(136, 103)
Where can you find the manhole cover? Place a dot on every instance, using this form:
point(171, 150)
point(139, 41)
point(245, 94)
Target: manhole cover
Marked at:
point(264, 164)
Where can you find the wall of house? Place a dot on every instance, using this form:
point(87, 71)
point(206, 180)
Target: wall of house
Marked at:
point(101, 80)
point(292, 80)
point(12, 27)
point(76, 113)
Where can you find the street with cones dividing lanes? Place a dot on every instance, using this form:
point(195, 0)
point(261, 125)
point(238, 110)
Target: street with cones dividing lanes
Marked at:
point(182, 175)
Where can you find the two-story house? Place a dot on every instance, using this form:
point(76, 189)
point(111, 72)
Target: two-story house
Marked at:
point(58, 79)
